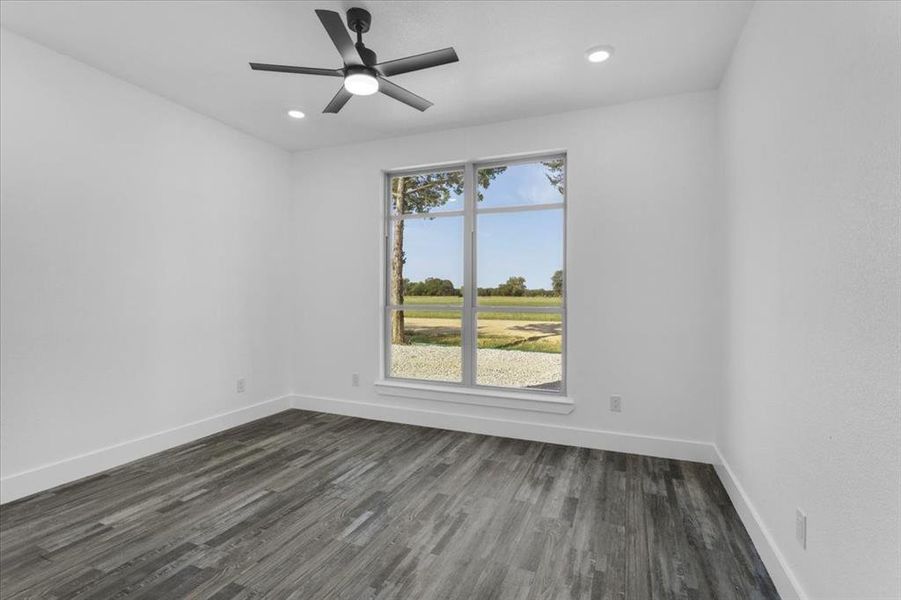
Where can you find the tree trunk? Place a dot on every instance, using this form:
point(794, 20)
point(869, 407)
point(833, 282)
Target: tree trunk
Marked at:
point(397, 265)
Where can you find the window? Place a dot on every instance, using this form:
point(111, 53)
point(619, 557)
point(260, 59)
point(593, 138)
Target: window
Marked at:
point(475, 275)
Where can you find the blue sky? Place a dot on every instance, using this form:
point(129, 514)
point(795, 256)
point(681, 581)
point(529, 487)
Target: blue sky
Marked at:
point(518, 185)
point(529, 243)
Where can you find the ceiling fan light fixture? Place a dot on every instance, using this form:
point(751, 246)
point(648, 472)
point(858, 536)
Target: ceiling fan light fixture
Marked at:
point(361, 83)
point(296, 114)
point(599, 54)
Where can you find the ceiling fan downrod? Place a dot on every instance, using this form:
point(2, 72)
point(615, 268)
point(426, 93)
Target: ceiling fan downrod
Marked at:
point(359, 20)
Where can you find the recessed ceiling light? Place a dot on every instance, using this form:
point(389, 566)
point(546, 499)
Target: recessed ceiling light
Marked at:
point(599, 54)
point(296, 114)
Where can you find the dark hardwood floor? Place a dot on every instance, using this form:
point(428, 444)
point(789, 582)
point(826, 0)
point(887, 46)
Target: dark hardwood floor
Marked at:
point(308, 506)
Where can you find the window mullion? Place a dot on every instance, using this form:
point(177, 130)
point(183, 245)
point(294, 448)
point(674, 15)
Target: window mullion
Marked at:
point(468, 337)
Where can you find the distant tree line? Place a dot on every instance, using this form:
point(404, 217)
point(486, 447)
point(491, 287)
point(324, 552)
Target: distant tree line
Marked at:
point(514, 286)
point(432, 286)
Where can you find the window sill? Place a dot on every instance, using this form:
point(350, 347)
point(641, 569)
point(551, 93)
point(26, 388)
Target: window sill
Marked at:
point(546, 403)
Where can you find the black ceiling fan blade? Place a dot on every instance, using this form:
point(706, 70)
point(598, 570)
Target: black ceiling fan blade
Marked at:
point(415, 63)
point(336, 30)
point(300, 70)
point(406, 96)
point(338, 101)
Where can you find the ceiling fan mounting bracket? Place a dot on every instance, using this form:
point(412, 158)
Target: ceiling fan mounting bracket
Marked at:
point(359, 20)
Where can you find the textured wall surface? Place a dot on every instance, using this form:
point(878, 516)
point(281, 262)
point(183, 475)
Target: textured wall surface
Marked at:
point(142, 252)
point(811, 125)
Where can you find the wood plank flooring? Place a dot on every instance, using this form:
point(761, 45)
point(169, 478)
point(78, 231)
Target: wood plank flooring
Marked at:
point(305, 505)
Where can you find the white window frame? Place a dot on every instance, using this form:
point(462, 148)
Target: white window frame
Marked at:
point(470, 309)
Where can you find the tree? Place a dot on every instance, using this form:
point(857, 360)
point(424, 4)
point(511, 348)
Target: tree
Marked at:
point(432, 286)
point(515, 286)
point(420, 194)
point(557, 283)
point(556, 173)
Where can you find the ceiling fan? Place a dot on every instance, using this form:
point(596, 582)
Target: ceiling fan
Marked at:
point(362, 74)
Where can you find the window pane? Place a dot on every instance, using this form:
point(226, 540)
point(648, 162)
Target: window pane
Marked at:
point(519, 351)
point(441, 191)
point(426, 261)
point(520, 258)
point(426, 345)
point(521, 185)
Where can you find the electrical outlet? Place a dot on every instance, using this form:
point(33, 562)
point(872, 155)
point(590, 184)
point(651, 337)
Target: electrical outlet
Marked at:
point(801, 527)
point(355, 380)
point(616, 404)
point(240, 385)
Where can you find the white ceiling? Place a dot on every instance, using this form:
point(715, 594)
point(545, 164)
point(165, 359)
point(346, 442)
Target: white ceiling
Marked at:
point(517, 59)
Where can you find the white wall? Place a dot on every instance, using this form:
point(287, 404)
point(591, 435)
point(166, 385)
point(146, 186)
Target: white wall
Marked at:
point(143, 252)
point(811, 113)
point(644, 278)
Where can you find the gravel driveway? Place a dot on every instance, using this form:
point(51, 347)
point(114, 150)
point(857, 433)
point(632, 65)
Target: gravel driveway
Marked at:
point(507, 368)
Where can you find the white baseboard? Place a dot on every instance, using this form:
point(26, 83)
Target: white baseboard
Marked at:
point(786, 583)
point(25, 483)
point(524, 430)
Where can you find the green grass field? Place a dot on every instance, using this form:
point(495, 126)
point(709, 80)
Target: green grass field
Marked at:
point(493, 301)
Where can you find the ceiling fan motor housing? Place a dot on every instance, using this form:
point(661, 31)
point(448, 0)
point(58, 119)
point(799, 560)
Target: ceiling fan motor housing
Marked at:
point(367, 55)
point(361, 70)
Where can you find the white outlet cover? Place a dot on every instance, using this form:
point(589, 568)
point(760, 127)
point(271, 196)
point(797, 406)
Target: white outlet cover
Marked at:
point(240, 385)
point(616, 403)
